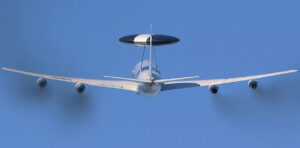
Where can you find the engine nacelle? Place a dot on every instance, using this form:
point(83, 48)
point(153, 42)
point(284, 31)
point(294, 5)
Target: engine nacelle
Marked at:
point(80, 87)
point(41, 82)
point(253, 84)
point(213, 89)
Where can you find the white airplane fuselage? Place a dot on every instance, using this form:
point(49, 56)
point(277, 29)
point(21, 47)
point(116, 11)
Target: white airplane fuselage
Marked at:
point(142, 72)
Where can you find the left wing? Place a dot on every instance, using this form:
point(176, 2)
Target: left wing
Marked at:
point(126, 85)
point(185, 84)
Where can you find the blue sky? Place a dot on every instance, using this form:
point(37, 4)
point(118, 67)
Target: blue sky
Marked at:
point(219, 39)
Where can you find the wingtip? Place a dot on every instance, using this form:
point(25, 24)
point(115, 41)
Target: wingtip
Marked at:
point(294, 70)
point(7, 69)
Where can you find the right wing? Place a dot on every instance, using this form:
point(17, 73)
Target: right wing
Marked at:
point(126, 85)
point(185, 84)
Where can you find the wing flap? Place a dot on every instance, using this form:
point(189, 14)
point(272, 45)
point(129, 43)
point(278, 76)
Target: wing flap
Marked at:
point(179, 85)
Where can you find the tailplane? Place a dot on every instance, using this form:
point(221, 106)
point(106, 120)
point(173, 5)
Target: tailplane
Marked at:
point(174, 79)
point(127, 79)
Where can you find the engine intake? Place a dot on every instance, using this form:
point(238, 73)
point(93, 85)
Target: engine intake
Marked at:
point(253, 84)
point(213, 89)
point(80, 88)
point(41, 82)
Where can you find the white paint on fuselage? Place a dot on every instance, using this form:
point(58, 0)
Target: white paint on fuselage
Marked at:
point(142, 73)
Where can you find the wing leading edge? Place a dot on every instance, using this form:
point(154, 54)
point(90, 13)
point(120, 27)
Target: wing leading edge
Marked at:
point(126, 85)
point(185, 84)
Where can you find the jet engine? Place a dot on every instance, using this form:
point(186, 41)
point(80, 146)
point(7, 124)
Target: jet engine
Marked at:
point(41, 82)
point(80, 87)
point(213, 89)
point(253, 84)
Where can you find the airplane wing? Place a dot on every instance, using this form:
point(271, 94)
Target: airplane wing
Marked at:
point(126, 85)
point(185, 84)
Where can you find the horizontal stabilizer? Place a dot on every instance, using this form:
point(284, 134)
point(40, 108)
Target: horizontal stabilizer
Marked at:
point(174, 79)
point(127, 79)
